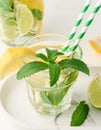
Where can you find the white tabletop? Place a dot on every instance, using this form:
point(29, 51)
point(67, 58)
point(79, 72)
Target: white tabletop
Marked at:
point(59, 17)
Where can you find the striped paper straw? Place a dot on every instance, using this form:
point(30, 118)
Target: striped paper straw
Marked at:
point(86, 26)
point(72, 47)
point(77, 23)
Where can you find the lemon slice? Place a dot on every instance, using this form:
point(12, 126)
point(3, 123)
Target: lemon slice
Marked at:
point(25, 19)
point(96, 44)
point(94, 91)
point(33, 4)
point(13, 59)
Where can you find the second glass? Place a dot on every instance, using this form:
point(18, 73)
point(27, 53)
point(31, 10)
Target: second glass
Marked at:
point(19, 20)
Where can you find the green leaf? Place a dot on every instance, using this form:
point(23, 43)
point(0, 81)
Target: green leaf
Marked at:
point(42, 56)
point(31, 68)
point(52, 54)
point(80, 114)
point(5, 5)
point(54, 72)
point(37, 13)
point(55, 97)
point(11, 2)
point(44, 97)
point(75, 64)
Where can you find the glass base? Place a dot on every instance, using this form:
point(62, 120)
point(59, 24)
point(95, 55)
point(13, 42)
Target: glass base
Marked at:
point(44, 107)
point(51, 109)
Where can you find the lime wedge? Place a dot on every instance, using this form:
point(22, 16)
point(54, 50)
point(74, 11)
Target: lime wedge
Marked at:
point(25, 19)
point(94, 91)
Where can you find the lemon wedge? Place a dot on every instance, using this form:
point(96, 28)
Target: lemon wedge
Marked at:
point(96, 44)
point(13, 59)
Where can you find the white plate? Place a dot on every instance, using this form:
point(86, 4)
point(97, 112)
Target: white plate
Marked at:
point(15, 104)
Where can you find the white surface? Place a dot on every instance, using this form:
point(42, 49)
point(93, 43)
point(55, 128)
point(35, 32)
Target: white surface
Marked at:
point(18, 111)
point(59, 17)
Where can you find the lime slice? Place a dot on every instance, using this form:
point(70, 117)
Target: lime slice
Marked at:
point(94, 91)
point(25, 19)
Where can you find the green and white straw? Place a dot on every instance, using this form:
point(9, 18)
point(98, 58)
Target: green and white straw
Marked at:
point(72, 47)
point(78, 21)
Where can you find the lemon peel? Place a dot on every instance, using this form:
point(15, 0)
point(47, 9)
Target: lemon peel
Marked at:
point(13, 59)
point(96, 44)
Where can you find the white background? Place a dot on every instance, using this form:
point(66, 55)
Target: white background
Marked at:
point(59, 17)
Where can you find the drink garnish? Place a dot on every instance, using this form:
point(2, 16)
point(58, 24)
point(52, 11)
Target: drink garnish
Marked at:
point(37, 13)
point(48, 62)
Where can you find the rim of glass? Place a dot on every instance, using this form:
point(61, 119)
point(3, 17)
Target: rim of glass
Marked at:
point(49, 34)
point(32, 38)
point(27, 42)
point(52, 88)
point(53, 35)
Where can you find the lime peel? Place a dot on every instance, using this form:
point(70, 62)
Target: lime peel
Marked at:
point(25, 19)
point(94, 91)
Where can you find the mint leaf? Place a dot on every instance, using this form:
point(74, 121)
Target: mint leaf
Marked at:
point(75, 64)
point(5, 5)
point(80, 114)
point(37, 13)
point(52, 54)
point(11, 2)
point(31, 68)
point(44, 97)
point(42, 56)
point(54, 72)
point(55, 97)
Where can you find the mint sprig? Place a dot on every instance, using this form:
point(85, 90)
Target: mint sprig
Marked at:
point(37, 13)
point(31, 68)
point(52, 55)
point(75, 64)
point(80, 114)
point(53, 67)
point(5, 5)
point(42, 56)
point(54, 72)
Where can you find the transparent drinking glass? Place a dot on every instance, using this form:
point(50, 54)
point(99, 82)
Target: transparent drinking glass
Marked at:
point(45, 99)
point(20, 20)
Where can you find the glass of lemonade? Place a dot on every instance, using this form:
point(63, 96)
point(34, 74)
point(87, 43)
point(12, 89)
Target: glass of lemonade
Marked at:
point(44, 98)
point(20, 20)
